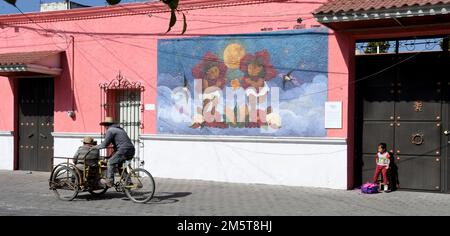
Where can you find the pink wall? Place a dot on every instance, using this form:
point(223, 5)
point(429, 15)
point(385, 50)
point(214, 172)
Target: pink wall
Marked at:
point(341, 50)
point(339, 57)
point(104, 46)
point(6, 105)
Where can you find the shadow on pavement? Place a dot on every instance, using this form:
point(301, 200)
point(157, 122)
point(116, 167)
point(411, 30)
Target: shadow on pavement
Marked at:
point(168, 197)
point(158, 198)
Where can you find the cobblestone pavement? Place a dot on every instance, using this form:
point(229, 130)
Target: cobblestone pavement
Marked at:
point(28, 194)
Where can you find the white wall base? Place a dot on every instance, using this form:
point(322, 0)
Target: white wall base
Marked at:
point(6, 150)
point(301, 162)
point(309, 162)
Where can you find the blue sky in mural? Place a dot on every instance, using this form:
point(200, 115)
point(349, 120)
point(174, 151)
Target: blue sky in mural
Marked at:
point(301, 104)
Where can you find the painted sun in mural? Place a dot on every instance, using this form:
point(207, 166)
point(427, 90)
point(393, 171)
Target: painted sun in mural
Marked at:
point(232, 55)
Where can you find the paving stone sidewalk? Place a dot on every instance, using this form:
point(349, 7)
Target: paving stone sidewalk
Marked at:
point(22, 193)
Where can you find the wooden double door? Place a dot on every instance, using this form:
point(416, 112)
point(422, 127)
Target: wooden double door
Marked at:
point(36, 121)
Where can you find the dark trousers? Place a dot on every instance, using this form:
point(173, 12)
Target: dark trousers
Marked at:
point(118, 158)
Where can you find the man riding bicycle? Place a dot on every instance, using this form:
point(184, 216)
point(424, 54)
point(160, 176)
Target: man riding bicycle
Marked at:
point(122, 145)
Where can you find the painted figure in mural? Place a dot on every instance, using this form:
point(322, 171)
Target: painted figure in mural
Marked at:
point(257, 71)
point(122, 145)
point(211, 71)
point(85, 155)
point(383, 160)
point(234, 110)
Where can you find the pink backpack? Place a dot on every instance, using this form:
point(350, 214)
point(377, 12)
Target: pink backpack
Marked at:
point(369, 188)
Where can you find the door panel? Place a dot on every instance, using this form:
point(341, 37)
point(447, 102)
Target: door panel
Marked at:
point(419, 172)
point(368, 168)
point(28, 136)
point(378, 103)
point(418, 103)
point(375, 133)
point(45, 120)
point(418, 138)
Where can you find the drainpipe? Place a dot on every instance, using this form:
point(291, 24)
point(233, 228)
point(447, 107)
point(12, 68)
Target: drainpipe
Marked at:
point(71, 113)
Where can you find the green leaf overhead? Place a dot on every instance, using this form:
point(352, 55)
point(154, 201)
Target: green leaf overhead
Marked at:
point(184, 24)
point(113, 2)
point(12, 2)
point(173, 19)
point(173, 4)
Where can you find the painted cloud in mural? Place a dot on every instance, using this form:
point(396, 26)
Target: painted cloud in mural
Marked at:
point(258, 85)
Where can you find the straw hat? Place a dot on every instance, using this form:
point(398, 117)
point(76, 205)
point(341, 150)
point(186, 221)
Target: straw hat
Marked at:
point(88, 140)
point(108, 121)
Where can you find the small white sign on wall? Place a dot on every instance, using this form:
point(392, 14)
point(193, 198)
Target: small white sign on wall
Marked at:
point(333, 115)
point(149, 107)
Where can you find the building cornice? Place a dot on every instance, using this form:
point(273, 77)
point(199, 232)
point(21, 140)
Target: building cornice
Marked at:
point(121, 10)
point(75, 135)
point(30, 68)
point(6, 133)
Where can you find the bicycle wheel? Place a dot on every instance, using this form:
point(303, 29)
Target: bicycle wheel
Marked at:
point(140, 187)
point(65, 183)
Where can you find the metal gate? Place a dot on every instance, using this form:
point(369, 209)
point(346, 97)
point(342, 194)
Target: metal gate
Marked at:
point(36, 124)
point(121, 99)
point(403, 107)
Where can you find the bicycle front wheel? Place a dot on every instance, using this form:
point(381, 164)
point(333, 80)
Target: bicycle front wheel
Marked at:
point(140, 187)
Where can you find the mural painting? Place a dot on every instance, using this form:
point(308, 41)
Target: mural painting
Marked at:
point(272, 84)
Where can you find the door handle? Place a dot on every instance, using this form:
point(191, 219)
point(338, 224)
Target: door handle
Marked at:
point(447, 132)
point(30, 135)
point(42, 136)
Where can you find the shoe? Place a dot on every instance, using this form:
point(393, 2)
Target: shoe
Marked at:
point(106, 182)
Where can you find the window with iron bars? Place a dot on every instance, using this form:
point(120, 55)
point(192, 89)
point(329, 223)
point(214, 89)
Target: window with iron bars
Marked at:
point(122, 100)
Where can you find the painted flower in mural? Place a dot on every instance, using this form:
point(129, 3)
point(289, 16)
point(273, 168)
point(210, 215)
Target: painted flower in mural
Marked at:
point(257, 69)
point(211, 70)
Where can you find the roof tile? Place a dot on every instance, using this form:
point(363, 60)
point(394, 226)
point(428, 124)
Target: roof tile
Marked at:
point(333, 6)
